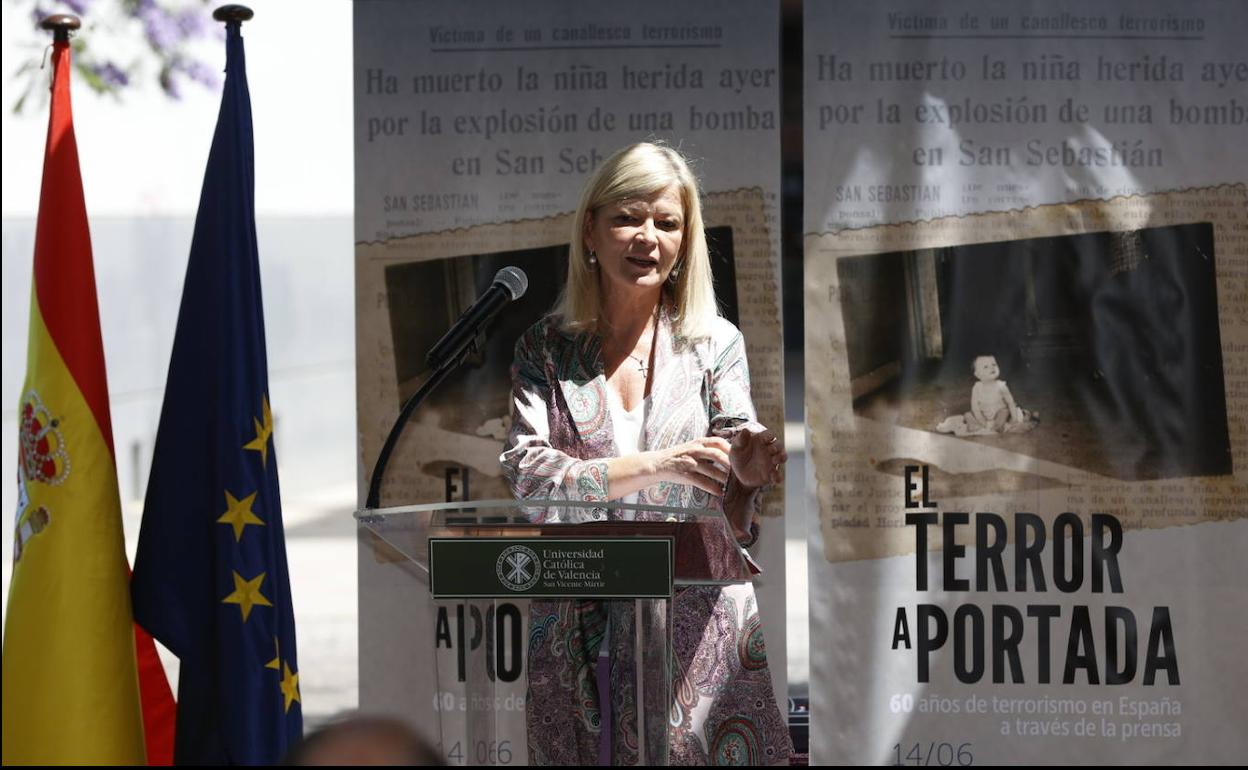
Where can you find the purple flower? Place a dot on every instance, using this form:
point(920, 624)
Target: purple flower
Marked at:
point(198, 71)
point(111, 74)
point(79, 7)
point(161, 29)
point(165, 26)
point(195, 22)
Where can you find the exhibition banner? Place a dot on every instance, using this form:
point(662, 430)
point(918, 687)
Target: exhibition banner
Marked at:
point(477, 124)
point(1026, 296)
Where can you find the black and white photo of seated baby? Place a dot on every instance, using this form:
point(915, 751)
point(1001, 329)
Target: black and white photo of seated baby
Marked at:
point(1097, 351)
point(993, 408)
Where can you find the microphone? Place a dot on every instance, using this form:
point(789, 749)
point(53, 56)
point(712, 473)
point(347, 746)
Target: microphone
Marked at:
point(509, 284)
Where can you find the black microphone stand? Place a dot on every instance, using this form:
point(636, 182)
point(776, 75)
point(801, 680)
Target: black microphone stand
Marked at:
point(439, 374)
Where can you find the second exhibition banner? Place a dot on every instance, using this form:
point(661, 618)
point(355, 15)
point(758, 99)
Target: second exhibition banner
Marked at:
point(1026, 290)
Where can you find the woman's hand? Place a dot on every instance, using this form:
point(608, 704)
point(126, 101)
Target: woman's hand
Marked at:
point(757, 457)
point(702, 463)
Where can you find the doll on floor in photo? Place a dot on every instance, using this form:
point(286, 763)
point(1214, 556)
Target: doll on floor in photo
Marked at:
point(993, 408)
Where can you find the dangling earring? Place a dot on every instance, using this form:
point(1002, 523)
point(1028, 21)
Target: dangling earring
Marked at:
point(674, 276)
point(592, 259)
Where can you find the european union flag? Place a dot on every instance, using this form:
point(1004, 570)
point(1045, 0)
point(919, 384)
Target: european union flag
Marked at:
point(210, 579)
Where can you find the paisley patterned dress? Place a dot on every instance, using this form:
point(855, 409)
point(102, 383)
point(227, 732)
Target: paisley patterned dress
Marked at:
point(723, 708)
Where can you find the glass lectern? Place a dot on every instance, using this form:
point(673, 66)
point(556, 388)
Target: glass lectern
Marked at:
point(444, 596)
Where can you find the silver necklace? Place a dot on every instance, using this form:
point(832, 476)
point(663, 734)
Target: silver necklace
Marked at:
point(641, 362)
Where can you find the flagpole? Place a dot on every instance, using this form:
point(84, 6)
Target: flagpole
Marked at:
point(60, 24)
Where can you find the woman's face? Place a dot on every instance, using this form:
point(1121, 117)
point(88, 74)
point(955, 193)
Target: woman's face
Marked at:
point(637, 240)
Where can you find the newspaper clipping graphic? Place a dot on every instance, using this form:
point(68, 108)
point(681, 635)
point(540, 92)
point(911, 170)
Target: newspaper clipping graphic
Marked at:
point(477, 124)
point(1026, 289)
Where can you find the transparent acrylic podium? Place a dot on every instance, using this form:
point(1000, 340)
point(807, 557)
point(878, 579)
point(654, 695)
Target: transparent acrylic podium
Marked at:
point(444, 596)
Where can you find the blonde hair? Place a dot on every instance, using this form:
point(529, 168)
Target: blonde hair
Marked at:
point(639, 171)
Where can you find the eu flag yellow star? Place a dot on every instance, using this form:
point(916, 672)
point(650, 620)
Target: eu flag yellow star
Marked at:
point(276, 663)
point(264, 431)
point(289, 685)
point(247, 594)
point(238, 514)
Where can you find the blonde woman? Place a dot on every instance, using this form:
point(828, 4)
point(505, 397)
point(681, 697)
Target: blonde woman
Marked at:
point(634, 389)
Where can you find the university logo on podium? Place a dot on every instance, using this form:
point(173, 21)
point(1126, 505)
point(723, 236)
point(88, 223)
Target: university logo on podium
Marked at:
point(518, 568)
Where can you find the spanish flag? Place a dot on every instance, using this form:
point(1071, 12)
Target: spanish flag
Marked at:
point(71, 689)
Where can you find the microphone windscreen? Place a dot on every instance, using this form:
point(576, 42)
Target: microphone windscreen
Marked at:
point(513, 280)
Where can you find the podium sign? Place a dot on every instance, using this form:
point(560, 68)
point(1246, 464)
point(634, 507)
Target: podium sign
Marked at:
point(501, 567)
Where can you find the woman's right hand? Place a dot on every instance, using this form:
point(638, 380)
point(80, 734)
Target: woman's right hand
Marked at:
point(702, 463)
